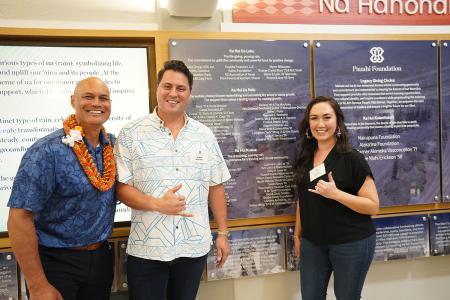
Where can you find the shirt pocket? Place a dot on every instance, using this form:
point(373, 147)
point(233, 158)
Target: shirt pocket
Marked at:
point(197, 164)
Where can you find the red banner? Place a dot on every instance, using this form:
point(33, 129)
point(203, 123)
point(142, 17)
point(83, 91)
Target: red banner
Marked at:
point(343, 12)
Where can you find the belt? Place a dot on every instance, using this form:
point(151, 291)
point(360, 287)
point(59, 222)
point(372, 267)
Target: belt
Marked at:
point(90, 247)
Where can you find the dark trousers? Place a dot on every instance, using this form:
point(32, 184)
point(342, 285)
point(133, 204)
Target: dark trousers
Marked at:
point(80, 274)
point(348, 261)
point(178, 279)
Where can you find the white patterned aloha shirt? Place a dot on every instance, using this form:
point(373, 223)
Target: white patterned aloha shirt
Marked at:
point(149, 159)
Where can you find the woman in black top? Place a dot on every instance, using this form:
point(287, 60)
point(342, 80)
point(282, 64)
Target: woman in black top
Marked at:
point(337, 197)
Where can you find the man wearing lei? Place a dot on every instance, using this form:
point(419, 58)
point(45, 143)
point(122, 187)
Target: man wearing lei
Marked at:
point(62, 204)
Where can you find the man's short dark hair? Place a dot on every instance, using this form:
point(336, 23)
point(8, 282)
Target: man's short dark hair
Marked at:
point(177, 66)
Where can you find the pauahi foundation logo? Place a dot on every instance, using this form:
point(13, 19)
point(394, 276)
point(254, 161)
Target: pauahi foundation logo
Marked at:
point(377, 55)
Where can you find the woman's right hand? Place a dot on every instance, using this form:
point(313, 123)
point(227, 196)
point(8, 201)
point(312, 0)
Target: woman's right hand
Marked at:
point(297, 246)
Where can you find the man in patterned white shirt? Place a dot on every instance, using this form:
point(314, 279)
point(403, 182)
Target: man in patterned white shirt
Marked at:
point(169, 166)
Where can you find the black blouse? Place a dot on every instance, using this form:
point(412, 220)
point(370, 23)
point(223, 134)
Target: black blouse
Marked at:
point(326, 221)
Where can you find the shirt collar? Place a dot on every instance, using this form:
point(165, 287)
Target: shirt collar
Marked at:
point(102, 139)
point(158, 122)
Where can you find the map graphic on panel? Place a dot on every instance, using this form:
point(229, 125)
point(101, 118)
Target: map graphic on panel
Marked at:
point(292, 262)
point(252, 95)
point(388, 91)
point(253, 252)
point(445, 90)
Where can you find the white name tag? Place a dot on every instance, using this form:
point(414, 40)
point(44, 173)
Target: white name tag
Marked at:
point(317, 172)
point(199, 157)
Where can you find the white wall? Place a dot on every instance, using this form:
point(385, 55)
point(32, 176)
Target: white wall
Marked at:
point(101, 14)
point(426, 278)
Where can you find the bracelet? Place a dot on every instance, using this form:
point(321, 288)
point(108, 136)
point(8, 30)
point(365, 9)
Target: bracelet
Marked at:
point(223, 232)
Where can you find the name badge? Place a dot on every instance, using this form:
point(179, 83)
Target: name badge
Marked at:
point(317, 172)
point(199, 157)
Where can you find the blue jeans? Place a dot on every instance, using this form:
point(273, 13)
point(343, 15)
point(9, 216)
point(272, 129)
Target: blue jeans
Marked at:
point(349, 262)
point(178, 279)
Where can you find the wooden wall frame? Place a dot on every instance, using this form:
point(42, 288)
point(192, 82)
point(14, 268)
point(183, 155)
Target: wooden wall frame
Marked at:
point(158, 43)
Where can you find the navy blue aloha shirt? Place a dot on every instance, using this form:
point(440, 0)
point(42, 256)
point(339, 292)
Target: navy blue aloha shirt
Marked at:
point(50, 182)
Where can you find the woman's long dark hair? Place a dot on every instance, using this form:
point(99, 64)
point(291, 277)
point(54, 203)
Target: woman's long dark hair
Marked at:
point(309, 145)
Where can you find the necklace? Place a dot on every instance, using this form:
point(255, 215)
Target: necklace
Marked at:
point(102, 183)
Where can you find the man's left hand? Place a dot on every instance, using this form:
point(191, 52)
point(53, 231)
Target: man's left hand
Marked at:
point(223, 249)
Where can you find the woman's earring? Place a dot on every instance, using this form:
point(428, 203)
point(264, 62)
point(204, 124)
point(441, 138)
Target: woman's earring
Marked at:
point(308, 134)
point(338, 133)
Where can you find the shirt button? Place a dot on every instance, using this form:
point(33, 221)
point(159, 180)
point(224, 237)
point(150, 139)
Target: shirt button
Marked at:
point(176, 150)
point(176, 227)
point(176, 169)
point(170, 133)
